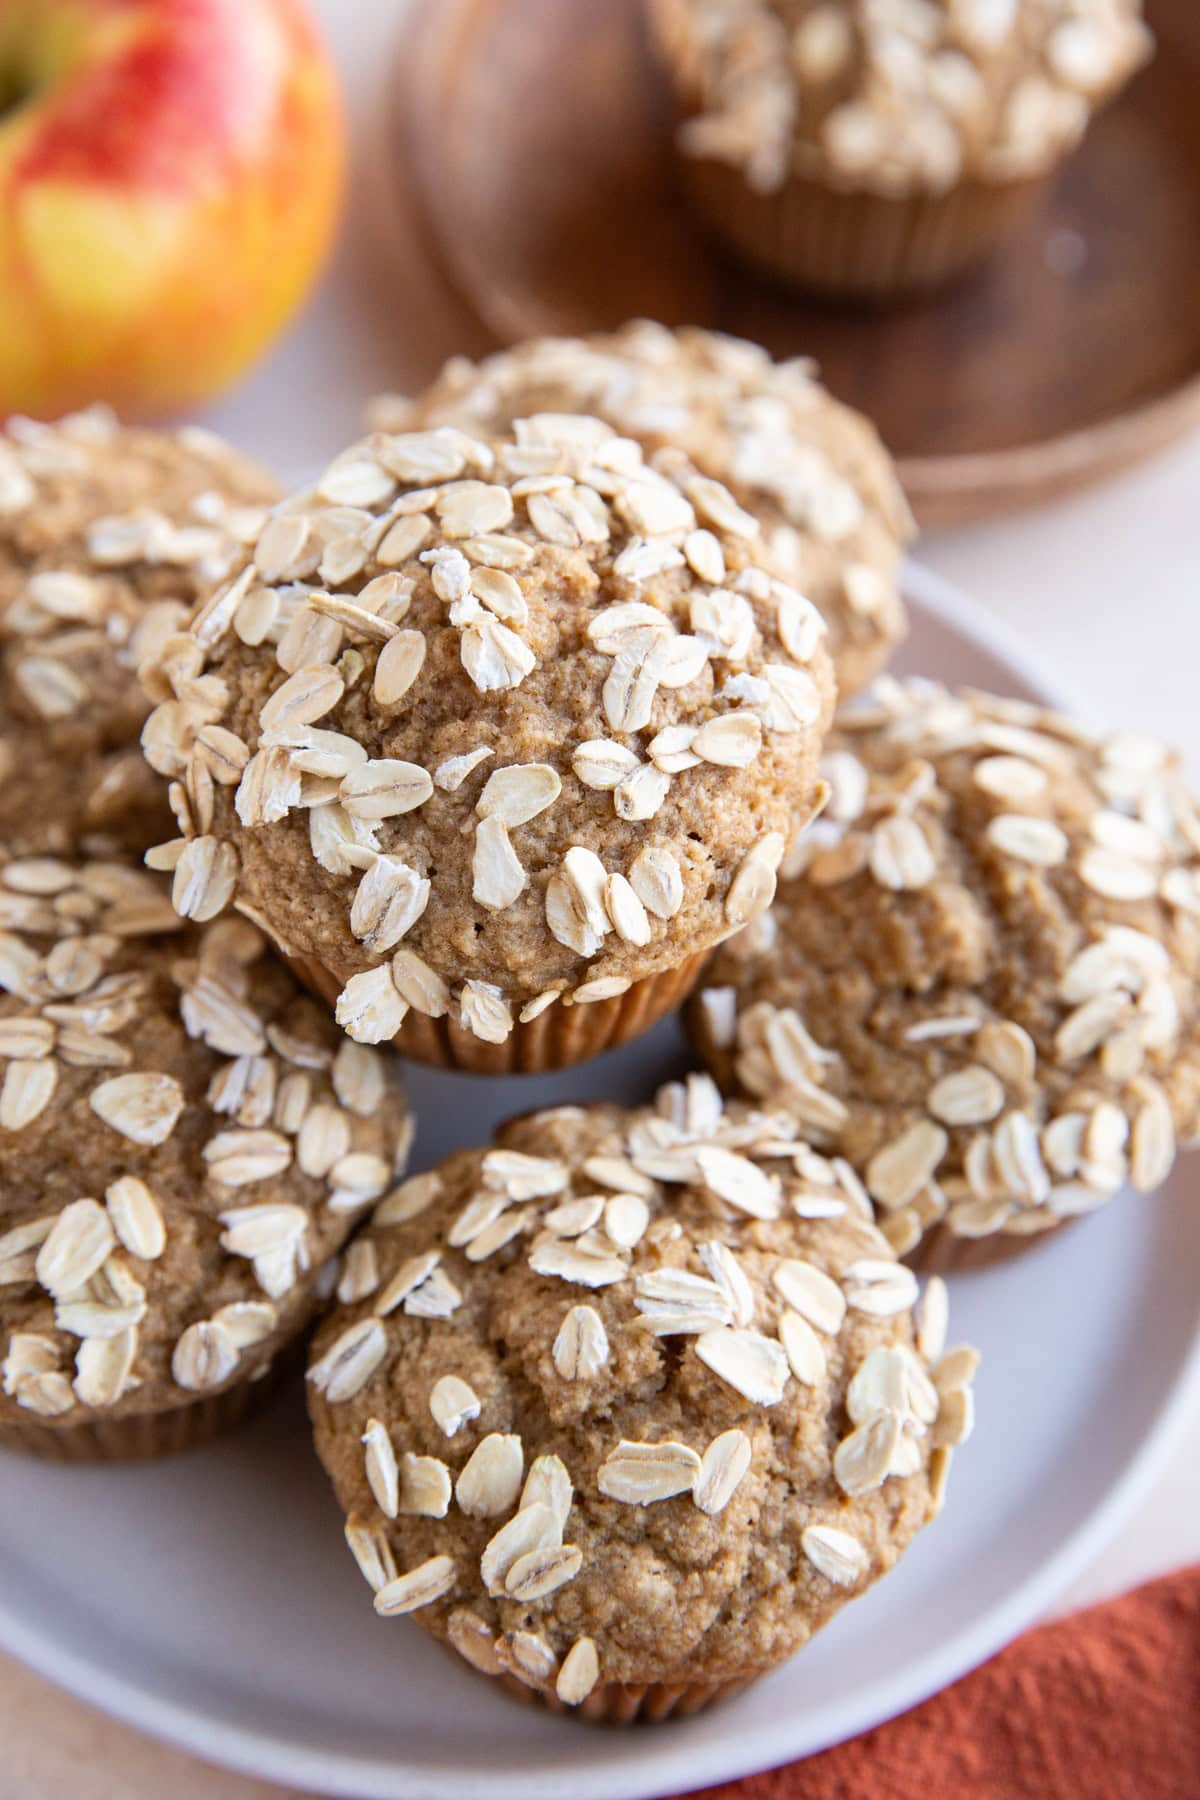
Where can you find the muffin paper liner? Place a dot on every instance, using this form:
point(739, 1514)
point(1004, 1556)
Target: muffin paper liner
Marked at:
point(557, 1038)
point(140, 1437)
point(619, 1702)
point(856, 245)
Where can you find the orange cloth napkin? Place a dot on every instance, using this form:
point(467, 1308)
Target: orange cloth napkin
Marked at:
point(1101, 1706)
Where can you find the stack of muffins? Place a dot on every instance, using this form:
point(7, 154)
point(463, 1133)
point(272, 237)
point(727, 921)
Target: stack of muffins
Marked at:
point(477, 749)
point(186, 1140)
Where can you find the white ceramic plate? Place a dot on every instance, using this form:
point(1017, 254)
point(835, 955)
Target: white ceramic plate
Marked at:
point(211, 1600)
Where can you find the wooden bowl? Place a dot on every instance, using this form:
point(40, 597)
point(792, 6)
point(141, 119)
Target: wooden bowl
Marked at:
point(538, 135)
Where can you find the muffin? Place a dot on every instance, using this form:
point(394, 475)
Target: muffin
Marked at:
point(504, 736)
point(634, 1403)
point(108, 538)
point(186, 1143)
point(872, 147)
point(979, 979)
point(812, 471)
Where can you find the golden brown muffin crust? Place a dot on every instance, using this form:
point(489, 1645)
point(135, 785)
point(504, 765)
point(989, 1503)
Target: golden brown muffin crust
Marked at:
point(588, 1317)
point(908, 97)
point(544, 731)
point(812, 471)
point(108, 538)
point(185, 1142)
point(980, 979)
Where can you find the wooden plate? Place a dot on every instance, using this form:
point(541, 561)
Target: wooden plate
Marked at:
point(538, 133)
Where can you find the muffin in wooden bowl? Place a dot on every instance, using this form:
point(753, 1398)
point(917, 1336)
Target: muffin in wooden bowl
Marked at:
point(871, 150)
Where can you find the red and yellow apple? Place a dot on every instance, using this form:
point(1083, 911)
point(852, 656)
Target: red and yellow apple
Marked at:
point(170, 172)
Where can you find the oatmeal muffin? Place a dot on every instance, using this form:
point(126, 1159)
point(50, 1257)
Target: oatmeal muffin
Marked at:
point(979, 982)
point(812, 471)
point(626, 1407)
point(495, 738)
point(108, 538)
point(868, 147)
point(186, 1141)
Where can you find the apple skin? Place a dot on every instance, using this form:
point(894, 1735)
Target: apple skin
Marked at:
point(169, 182)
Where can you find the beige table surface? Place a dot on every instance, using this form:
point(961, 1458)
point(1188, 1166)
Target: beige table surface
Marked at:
point(1106, 588)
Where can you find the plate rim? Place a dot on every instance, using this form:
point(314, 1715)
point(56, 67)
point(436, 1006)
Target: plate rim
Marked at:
point(663, 1766)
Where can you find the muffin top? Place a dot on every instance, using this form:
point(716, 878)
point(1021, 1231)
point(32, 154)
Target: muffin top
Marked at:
point(108, 538)
point(981, 983)
point(185, 1141)
point(634, 1396)
point(487, 724)
point(895, 96)
point(812, 470)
